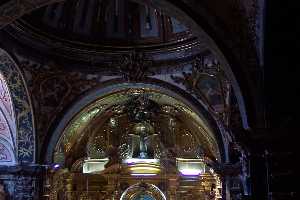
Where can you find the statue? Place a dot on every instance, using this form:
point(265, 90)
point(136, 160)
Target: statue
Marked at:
point(142, 135)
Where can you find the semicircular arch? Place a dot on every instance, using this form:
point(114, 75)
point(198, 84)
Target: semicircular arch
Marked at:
point(86, 108)
point(17, 110)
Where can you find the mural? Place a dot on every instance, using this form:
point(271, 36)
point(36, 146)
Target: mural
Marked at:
point(22, 122)
point(207, 81)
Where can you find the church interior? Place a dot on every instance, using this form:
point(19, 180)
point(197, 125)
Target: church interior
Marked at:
point(147, 100)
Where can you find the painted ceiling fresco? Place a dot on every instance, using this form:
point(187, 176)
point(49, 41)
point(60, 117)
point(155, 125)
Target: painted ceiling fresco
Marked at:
point(247, 15)
point(111, 23)
point(189, 65)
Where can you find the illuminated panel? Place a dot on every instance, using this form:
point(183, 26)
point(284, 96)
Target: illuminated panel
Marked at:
point(144, 169)
point(94, 165)
point(139, 160)
point(190, 167)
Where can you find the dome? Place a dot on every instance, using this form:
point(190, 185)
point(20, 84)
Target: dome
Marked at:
point(118, 23)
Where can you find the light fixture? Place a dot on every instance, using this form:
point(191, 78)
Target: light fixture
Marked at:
point(142, 167)
point(94, 165)
point(190, 167)
point(56, 166)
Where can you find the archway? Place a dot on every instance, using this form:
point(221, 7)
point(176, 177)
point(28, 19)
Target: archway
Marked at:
point(129, 135)
point(20, 109)
point(13, 11)
point(191, 78)
point(17, 139)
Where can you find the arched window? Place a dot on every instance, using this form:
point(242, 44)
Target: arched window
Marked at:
point(7, 126)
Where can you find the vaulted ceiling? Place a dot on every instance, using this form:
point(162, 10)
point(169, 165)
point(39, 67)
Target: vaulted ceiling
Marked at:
point(241, 18)
point(236, 27)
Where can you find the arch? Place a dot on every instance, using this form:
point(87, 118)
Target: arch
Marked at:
point(134, 190)
point(194, 15)
point(112, 87)
point(18, 114)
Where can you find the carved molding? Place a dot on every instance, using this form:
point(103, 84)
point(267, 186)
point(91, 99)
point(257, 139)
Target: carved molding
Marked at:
point(135, 66)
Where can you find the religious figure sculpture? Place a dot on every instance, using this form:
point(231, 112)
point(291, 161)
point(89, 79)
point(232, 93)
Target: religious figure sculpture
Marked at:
point(142, 136)
point(141, 110)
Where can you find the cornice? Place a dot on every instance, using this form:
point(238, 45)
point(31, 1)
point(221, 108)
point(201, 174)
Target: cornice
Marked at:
point(99, 55)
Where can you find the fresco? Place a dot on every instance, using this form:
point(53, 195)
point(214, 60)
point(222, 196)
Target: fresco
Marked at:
point(206, 80)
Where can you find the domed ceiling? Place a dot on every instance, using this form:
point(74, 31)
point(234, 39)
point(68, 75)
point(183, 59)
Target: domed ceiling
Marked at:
point(106, 23)
point(115, 42)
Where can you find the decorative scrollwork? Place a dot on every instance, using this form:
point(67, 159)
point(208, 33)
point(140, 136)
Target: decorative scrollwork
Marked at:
point(134, 67)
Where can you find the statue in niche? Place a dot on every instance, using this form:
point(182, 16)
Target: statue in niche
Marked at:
point(141, 110)
point(142, 138)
